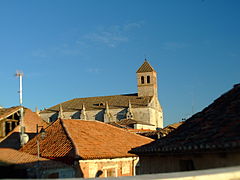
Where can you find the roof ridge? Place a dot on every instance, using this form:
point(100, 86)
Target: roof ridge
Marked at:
point(104, 124)
point(106, 96)
point(68, 136)
point(79, 150)
point(54, 129)
point(115, 127)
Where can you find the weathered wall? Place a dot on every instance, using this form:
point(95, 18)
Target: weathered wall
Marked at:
point(174, 163)
point(108, 167)
point(227, 173)
point(147, 89)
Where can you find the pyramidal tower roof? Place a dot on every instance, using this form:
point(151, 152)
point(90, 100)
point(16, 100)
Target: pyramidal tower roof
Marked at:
point(146, 67)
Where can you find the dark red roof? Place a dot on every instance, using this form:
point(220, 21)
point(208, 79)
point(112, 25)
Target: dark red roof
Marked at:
point(215, 128)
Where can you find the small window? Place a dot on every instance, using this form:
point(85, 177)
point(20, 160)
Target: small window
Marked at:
point(142, 79)
point(148, 79)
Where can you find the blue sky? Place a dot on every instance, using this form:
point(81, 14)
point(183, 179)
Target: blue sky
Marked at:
point(74, 48)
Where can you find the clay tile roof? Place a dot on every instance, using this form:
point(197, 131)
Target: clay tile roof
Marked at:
point(91, 103)
point(11, 156)
point(5, 112)
point(214, 128)
point(146, 67)
point(31, 119)
point(132, 121)
point(139, 131)
point(174, 125)
point(156, 134)
point(55, 145)
point(87, 139)
point(116, 124)
point(94, 139)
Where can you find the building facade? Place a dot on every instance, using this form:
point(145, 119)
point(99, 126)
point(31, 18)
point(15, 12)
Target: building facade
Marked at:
point(93, 148)
point(143, 106)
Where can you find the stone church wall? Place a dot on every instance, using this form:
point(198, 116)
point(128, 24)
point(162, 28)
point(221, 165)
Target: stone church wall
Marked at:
point(146, 114)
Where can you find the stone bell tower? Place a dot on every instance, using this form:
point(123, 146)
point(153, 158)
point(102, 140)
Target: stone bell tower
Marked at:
point(147, 80)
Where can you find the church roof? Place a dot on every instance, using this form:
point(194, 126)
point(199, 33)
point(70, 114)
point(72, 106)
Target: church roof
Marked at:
point(216, 128)
point(146, 67)
point(91, 103)
point(88, 139)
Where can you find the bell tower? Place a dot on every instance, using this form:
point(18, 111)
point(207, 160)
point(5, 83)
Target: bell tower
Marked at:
point(147, 80)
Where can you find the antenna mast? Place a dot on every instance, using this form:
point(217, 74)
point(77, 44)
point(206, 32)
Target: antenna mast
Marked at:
point(20, 75)
point(22, 127)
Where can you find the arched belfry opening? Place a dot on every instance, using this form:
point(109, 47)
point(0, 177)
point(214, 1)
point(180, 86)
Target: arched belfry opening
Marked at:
point(142, 79)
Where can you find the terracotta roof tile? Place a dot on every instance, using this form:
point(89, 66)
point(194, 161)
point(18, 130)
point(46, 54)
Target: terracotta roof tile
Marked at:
point(132, 121)
point(88, 139)
point(31, 119)
point(55, 145)
point(216, 128)
point(116, 125)
point(146, 67)
point(94, 139)
point(91, 103)
point(139, 131)
point(156, 134)
point(11, 156)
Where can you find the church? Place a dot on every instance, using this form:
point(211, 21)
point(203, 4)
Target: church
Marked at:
point(142, 110)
